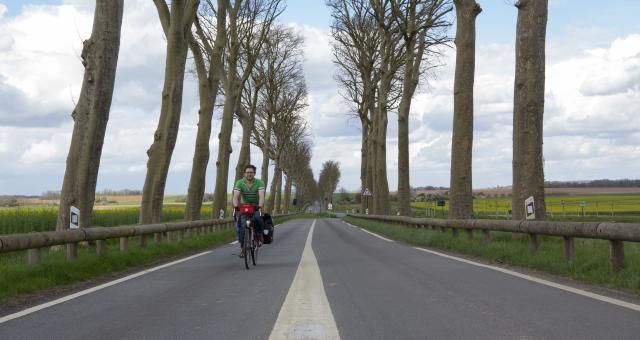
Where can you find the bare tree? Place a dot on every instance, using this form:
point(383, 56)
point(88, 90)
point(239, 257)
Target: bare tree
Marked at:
point(461, 194)
point(100, 59)
point(422, 24)
point(208, 63)
point(249, 23)
point(177, 28)
point(356, 52)
point(328, 180)
point(528, 110)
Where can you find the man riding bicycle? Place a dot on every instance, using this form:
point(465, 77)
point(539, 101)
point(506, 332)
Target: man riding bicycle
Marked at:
point(248, 190)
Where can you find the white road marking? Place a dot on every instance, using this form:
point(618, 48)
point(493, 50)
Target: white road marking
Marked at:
point(234, 242)
point(541, 281)
point(94, 289)
point(349, 224)
point(378, 236)
point(305, 313)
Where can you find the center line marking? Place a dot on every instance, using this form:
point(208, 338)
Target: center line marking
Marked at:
point(306, 313)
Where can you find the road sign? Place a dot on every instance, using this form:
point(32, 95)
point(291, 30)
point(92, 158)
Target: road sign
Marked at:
point(74, 218)
point(366, 192)
point(530, 209)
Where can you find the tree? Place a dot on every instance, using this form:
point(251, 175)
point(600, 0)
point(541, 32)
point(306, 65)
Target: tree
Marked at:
point(249, 24)
point(208, 63)
point(100, 59)
point(422, 24)
point(177, 28)
point(461, 194)
point(328, 180)
point(528, 107)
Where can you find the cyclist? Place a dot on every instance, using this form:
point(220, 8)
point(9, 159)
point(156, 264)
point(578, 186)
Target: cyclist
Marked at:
point(249, 190)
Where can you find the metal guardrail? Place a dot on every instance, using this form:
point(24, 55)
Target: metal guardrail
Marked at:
point(615, 233)
point(33, 242)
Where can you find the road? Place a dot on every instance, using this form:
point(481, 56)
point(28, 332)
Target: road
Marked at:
point(323, 280)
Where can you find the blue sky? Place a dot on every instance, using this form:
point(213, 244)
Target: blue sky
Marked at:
point(592, 107)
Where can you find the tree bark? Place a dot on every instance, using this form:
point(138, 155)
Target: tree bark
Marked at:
point(528, 163)
point(177, 30)
point(266, 150)
point(100, 59)
point(287, 194)
point(274, 187)
point(461, 194)
point(279, 193)
point(208, 86)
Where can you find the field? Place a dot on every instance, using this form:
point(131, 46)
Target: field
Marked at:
point(557, 206)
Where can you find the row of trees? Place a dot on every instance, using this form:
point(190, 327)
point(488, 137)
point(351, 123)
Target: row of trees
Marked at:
point(383, 50)
point(245, 63)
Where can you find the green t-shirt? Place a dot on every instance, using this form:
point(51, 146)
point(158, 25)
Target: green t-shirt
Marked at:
point(249, 195)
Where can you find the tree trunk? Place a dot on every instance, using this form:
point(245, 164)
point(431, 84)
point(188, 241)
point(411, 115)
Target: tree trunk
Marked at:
point(279, 192)
point(287, 194)
point(100, 59)
point(274, 185)
point(224, 152)
point(245, 148)
point(461, 195)
point(528, 164)
point(266, 149)
point(208, 85)
point(363, 163)
point(160, 152)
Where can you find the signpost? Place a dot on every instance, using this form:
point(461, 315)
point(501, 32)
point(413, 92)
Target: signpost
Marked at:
point(366, 193)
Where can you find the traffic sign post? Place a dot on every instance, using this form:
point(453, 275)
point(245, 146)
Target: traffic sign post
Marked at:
point(366, 193)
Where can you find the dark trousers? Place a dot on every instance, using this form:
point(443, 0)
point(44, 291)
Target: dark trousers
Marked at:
point(240, 225)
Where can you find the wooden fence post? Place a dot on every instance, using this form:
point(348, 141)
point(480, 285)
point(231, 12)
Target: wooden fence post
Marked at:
point(469, 234)
point(33, 256)
point(486, 235)
point(569, 248)
point(534, 243)
point(124, 243)
point(617, 255)
point(72, 251)
point(101, 247)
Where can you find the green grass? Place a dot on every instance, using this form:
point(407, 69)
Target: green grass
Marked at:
point(591, 263)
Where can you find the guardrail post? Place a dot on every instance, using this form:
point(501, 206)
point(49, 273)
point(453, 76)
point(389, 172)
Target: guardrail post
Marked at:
point(455, 232)
point(617, 255)
point(124, 243)
point(72, 251)
point(33, 256)
point(534, 243)
point(101, 247)
point(158, 237)
point(469, 234)
point(181, 235)
point(569, 248)
point(143, 241)
point(486, 235)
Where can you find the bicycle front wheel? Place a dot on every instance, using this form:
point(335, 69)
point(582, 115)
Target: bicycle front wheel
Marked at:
point(246, 247)
point(254, 250)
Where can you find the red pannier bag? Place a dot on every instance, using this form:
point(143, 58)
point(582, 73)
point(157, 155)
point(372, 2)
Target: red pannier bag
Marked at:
point(246, 209)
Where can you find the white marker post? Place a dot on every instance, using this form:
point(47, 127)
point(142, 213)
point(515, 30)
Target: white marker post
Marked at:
point(74, 218)
point(530, 210)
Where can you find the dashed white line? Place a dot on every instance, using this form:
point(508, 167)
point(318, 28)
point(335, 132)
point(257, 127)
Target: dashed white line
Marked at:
point(540, 281)
point(94, 289)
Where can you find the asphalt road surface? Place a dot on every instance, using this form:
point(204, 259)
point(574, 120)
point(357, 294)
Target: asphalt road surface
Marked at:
point(326, 280)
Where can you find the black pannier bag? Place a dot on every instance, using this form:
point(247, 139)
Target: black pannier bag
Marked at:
point(267, 222)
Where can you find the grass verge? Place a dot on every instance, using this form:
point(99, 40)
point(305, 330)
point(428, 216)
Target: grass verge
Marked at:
point(591, 263)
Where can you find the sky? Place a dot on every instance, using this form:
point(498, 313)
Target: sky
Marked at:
point(591, 119)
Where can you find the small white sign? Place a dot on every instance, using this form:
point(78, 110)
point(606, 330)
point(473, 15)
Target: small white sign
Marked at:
point(366, 211)
point(74, 218)
point(330, 206)
point(221, 214)
point(530, 209)
point(366, 192)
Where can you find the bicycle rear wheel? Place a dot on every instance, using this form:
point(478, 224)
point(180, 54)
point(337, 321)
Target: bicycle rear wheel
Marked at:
point(246, 246)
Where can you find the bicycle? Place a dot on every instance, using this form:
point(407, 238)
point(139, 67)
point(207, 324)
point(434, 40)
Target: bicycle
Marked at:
point(250, 243)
